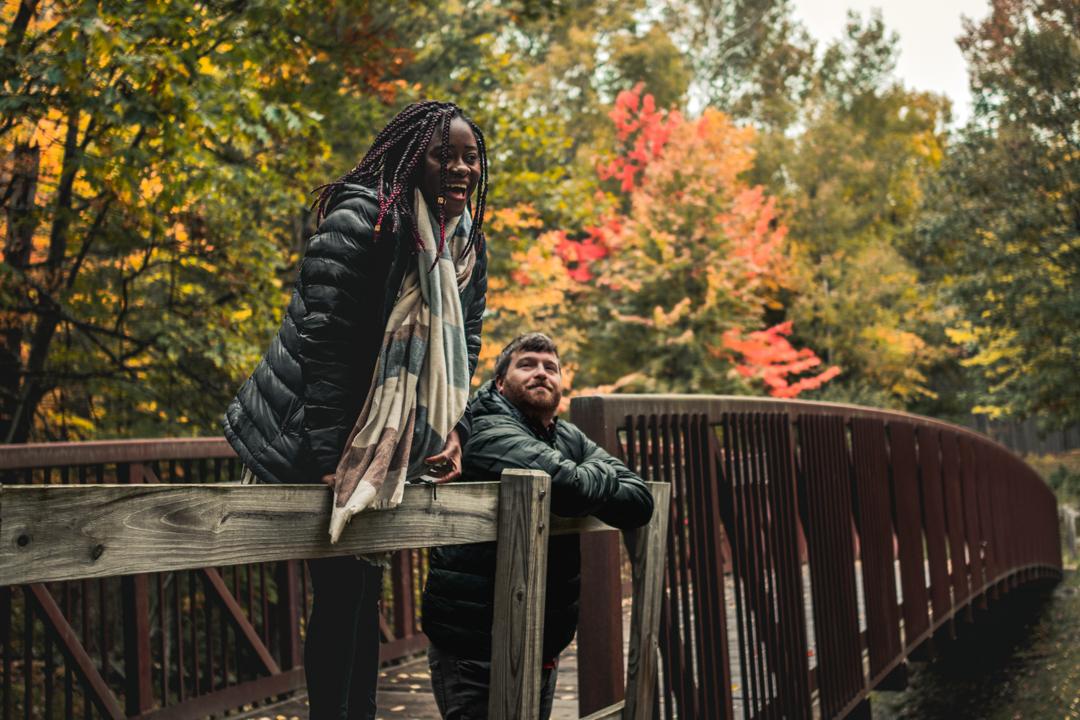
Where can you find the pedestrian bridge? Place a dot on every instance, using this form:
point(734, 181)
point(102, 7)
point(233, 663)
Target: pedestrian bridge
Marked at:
point(807, 551)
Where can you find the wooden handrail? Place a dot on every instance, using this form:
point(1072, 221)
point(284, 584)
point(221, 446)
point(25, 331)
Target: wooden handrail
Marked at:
point(63, 532)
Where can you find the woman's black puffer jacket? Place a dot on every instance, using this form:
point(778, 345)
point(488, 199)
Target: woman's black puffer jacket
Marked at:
point(291, 418)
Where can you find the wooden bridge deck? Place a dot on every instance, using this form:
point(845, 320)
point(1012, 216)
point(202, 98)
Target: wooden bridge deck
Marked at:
point(405, 689)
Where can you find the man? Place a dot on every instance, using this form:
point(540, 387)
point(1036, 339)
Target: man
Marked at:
point(514, 426)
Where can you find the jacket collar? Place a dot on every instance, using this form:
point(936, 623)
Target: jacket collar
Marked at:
point(490, 401)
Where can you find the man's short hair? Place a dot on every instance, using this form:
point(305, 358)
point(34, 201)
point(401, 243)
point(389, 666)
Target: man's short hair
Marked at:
point(529, 342)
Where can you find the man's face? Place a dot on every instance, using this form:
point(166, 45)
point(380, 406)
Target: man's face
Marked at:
point(462, 168)
point(533, 382)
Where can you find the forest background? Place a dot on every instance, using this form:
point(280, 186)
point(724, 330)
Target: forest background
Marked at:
point(690, 195)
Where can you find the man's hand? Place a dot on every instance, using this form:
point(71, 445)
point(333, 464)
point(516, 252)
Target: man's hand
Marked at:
point(328, 479)
point(446, 466)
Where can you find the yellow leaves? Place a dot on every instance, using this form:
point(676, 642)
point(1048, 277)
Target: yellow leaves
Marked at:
point(994, 412)
point(962, 335)
point(151, 187)
point(180, 232)
point(663, 320)
point(240, 315)
point(515, 219)
point(206, 66)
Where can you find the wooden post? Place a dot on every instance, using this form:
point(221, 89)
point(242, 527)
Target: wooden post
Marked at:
point(599, 636)
point(646, 546)
point(520, 583)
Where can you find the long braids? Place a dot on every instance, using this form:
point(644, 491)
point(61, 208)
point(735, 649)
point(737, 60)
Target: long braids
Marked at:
point(394, 162)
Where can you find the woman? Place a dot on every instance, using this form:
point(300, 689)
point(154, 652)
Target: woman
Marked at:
point(366, 383)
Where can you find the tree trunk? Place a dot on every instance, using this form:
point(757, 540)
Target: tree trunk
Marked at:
point(34, 384)
point(21, 221)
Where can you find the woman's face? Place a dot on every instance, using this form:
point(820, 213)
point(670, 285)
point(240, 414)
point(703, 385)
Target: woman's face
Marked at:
point(462, 168)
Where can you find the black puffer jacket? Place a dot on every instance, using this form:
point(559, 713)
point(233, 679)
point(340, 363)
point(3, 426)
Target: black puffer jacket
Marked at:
point(291, 418)
point(585, 480)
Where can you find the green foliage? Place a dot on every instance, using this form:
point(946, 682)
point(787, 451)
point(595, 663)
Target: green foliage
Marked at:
point(166, 154)
point(853, 181)
point(160, 156)
point(1004, 234)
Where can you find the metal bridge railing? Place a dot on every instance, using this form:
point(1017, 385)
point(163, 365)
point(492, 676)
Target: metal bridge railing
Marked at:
point(812, 548)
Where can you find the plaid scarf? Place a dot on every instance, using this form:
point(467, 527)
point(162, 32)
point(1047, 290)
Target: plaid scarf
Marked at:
point(421, 381)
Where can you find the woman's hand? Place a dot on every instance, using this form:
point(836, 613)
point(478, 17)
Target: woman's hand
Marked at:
point(446, 466)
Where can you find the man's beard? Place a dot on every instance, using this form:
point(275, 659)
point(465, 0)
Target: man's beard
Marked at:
point(531, 406)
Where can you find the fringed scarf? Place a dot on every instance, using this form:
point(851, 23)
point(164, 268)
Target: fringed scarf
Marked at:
point(421, 381)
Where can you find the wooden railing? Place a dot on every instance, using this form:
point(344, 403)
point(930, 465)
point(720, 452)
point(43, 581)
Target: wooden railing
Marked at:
point(69, 533)
point(812, 548)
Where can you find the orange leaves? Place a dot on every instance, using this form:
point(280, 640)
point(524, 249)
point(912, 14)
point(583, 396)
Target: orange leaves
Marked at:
point(651, 129)
point(578, 255)
point(768, 356)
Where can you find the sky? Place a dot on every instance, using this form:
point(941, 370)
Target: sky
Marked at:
point(929, 58)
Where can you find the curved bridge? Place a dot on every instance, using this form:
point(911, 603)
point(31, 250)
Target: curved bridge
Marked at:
point(812, 548)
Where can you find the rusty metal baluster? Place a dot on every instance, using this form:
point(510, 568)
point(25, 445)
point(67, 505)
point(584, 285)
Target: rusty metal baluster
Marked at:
point(265, 605)
point(795, 684)
point(908, 521)
point(827, 497)
point(208, 618)
point(703, 529)
point(753, 685)
point(650, 460)
point(225, 624)
point(715, 602)
point(8, 649)
point(678, 545)
point(876, 542)
point(954, 516)
point(28, 655)
point(178, 625)
point(758, 564)
point(779, 661)
point(756, 526)
point(934, 514)
point(732, 514)
point(50, 670)
point(690, 477)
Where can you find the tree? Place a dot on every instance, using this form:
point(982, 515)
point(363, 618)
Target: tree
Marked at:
point(678, 251)
point(158, 158)
point(749, 58)
point(1004, 236)
point(851, 185)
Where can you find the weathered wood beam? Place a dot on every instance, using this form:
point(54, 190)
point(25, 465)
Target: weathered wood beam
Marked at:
point(64, 532)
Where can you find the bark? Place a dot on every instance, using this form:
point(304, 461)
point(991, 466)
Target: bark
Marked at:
point(21, 222)
point(15, 34)
point(33, 383)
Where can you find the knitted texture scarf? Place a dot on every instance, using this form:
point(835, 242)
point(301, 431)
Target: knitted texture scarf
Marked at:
point(421, 382)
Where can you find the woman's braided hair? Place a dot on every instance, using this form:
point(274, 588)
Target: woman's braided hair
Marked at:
point(394, 163)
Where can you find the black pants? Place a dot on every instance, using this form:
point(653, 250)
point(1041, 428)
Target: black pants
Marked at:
point(341, 653)
point(461, 686)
